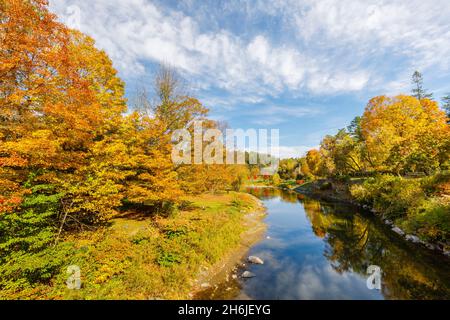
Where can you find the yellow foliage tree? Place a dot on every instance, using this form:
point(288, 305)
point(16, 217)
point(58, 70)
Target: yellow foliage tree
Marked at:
point(405, 134)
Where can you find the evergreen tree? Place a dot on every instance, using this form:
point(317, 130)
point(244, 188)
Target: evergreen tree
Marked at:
point(418, 90)
point(446, 104)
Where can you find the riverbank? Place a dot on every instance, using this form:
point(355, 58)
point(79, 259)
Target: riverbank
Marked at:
point(151, 257)
point(416, 209)
point(226, 267)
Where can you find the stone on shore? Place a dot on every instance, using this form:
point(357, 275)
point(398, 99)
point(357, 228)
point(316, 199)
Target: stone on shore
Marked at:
point(248, 274)
point(398, 231)
point(255, 260)
point(412, 238)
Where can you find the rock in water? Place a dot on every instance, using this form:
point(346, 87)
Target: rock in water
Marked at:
point(248, 274)
point(255, 260)
point(398, 231)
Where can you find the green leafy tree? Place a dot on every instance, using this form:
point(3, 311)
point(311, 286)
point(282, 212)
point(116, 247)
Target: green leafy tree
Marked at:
point(354, 129)
point(26, 233)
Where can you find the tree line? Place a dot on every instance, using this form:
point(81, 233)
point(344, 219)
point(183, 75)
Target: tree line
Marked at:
point(400, 135)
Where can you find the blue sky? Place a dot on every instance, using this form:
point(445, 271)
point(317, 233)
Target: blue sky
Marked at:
point(306, 67)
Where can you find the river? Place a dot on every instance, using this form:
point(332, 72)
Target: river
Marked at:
point(321, 250)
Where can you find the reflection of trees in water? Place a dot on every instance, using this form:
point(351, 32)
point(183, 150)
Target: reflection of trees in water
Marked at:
point(265, 193)
point(355, 242)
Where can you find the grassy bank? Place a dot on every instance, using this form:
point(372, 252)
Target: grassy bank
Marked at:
point(142, 257)
point(419, 206)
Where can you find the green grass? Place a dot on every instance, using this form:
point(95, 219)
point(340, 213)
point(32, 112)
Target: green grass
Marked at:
point(142, 257)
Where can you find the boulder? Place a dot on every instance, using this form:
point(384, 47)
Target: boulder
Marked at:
point(255, 260)
point(388, 222)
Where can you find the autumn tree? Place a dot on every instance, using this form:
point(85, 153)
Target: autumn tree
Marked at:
point(173, 107)
point(314, 161)
point(58, 96)
point(343, 153)
point(289, 168)
point(31, 41)
point(405, 134)
point(304, 168)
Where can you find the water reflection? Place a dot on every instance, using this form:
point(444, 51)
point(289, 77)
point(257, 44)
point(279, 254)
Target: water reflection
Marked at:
point(320, 250)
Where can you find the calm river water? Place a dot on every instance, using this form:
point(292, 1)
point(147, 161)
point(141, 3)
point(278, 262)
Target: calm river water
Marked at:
point(319, 250)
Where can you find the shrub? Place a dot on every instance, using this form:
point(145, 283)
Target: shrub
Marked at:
point(167, 259)
point(431, 220)
point(394, 196)
point(27, 254)
point(439, 183)
point(26, 270)
point(361, 194)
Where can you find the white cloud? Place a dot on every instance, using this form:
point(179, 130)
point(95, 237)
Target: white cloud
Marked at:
point(362, 45)
point(137, 31)
point(322, 83)
point(274, 114)
point(414, 29)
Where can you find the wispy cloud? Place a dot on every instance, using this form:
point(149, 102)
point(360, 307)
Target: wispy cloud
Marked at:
point(137, 32)
point(271, 115)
